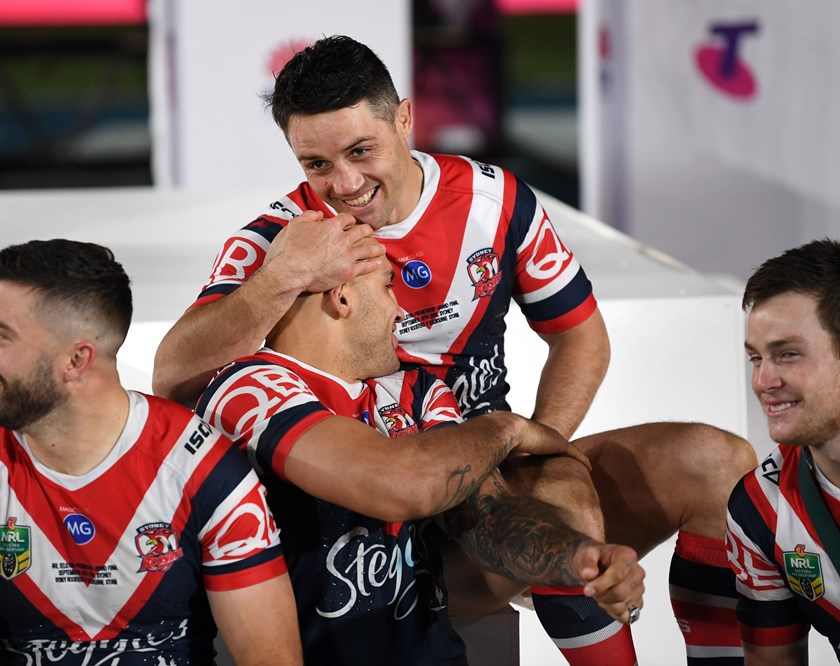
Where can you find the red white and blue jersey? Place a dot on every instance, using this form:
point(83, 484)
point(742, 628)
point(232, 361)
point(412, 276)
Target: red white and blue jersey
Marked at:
point(367, 591)
point(785, 579)
point(111, 567)
point(477, 238)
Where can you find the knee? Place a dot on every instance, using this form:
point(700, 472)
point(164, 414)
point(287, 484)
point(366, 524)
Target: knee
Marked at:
point(718, 457)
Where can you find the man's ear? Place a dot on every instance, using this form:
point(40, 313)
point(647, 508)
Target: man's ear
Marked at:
point(404, 118)
point(79, 361)
point(339, 301)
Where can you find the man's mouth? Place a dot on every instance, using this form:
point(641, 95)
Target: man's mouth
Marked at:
point(779, 407)
point(363, 200)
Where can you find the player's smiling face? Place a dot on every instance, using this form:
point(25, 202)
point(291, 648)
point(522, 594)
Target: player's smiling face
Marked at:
point(359, 163)
point(796, 370)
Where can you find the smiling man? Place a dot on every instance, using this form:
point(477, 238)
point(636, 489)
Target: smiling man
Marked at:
point(467, 240)
point(782, 535)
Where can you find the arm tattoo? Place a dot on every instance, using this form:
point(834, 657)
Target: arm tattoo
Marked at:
point(517, 537)
point(463, 482)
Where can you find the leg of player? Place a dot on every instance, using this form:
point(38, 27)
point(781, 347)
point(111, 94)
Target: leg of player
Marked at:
point(583, 632)
point(658, 479)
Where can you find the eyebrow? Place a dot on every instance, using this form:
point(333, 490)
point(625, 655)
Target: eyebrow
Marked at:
point(348, 148)
point(776, 344)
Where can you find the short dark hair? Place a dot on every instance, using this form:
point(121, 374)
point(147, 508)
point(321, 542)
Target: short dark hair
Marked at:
point(82, 276)
point(812, 269)
point(334, 73)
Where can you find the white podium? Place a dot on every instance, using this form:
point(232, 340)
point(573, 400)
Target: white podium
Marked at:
point(677, 337)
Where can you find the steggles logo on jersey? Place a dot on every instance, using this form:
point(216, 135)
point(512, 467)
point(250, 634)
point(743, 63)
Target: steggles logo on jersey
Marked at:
point(484, 271)
point(157, 544)
point(398, 421)
point(804, 573)
point(15, 549)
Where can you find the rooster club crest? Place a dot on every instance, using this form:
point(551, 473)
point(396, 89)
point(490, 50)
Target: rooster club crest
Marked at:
point(15, 549)
point(398, 421)
point(158, 546)
point(484, 271)
point(804, 573)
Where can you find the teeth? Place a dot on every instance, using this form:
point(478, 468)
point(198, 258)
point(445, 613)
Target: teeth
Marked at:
point(779, 407)
point(362, 200)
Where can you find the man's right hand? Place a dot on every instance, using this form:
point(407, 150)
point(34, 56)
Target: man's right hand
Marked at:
point(613, 577)
point(536, 439)
point(318, 253)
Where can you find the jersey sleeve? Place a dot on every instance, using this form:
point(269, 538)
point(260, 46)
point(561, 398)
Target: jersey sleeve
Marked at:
point(550, 286)
point(440, 406)
point(768, 614)
point(240, 257)
point(264, 408)
point(240, 542)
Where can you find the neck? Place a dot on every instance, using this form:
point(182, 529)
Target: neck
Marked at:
point(827, 458)
point(78, 435)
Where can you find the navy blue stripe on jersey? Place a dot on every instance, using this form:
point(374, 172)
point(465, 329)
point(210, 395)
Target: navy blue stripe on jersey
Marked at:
point(265, 227)
point(222, 289)
point(277, 427)
point(266, 555)
point(225, 477)
point(201, 407)
point(768, 614)
point(746, 514)
point(566, 300)
point(524, 209)
point(716, 580)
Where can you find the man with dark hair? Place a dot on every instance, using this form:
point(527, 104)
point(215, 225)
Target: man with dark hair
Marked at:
point(128, 526)
point(351, 498)
point(782, 534)
point(465, 239)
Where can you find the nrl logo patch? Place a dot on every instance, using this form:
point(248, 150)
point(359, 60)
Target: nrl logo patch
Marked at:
point(804, 573)
point(15, 549)
point(158, 546)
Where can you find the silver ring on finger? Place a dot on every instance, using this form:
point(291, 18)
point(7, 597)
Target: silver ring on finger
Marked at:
point(634, 614)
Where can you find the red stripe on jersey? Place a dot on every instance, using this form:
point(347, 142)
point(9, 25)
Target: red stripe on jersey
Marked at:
point(278, 461)
point(247, 577)
point(569, 320)
point(759, 499)
point(774, 636)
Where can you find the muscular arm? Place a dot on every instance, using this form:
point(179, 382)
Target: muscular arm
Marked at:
point(526, 540)
point(794, 654)
point(346, 462)
point(576, 365)
point(311, 254)
point(259, 623)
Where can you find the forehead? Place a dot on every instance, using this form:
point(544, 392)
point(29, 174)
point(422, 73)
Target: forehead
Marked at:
point(334, 130)
point(788, 315)
point(17, 304)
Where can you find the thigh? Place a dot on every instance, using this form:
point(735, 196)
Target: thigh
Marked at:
point(657, 478)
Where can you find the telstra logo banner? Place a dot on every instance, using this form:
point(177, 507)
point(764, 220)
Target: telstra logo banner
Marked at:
point(719, 59)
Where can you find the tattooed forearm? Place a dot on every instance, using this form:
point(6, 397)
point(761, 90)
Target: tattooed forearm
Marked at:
point(517, 537)
point(464, 481)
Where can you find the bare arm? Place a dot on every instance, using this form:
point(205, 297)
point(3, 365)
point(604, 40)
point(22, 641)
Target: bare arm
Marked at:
point(259, 623)
point(349, 463)
point(527, 540)
point(794, 654)
point(576, 365)
point(311, 254)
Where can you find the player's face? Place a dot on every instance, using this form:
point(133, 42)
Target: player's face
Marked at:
point(28, 388)
point(359, 163)
point(374, 345)
point(796, 370)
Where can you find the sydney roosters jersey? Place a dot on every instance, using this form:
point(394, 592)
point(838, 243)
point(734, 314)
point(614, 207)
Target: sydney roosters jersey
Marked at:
point(367, 591)
point(110, 567)
point(785, 579)
point(477, 238)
